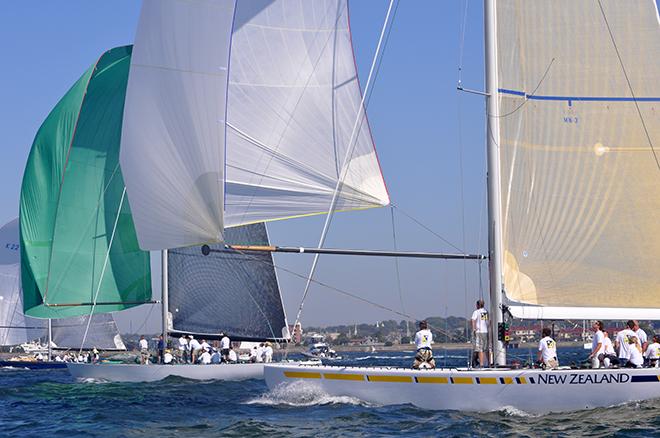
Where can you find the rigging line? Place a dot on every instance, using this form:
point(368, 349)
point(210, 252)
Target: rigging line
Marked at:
point(630, 88)
point(340, 291)
point(547, 70)
point(461, 49)
point(380, 60)
point(409, 216)
point(396, 268)
point(105, 265)
point(346, 163)
point(462, 186)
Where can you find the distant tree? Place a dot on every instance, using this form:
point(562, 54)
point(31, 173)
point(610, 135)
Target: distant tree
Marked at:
point(388, 343)
point(342, 339)
point(405, 340)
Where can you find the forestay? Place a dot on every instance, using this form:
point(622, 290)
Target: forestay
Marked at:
point(579, 151)
point(77, 234)
point(253, 127)
point(228, 292)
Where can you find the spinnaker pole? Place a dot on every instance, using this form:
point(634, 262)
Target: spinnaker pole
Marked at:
point(493, 180)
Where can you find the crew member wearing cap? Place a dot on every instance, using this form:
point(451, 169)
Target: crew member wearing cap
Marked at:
point(424, 341)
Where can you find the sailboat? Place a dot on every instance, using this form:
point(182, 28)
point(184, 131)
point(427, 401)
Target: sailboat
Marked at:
point(16, 329)
point(573, 130)
point(236, 113)
point(79, 254)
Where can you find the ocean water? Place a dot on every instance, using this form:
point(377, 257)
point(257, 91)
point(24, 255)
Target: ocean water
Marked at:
point(51, 403)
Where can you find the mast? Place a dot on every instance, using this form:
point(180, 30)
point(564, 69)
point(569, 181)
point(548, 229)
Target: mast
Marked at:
point(164, 289)
point(493, 180)
point(50, 339)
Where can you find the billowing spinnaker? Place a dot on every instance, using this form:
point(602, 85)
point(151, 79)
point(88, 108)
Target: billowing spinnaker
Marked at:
point(71, 198)
point(293, 104)
point(580, 183)
point(15, 328)
point(173, 140)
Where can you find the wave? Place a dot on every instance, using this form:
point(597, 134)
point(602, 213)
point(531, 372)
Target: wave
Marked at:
point(380, 357)
point(301, 394)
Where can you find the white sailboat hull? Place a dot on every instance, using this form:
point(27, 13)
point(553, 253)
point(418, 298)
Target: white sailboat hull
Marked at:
point(154, 372)
point(532, 391)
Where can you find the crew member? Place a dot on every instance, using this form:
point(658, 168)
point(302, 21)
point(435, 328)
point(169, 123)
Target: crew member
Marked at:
point(480, 331)
point(547, 354)
point(597, 344)
point(424, 341)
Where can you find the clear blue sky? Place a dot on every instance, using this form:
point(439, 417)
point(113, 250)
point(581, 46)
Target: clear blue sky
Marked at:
point(421, 126)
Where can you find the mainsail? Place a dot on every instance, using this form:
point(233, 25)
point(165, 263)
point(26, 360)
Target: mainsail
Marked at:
point(228, 292)
point(78, 243)
point(579, 148)
point(240, 112)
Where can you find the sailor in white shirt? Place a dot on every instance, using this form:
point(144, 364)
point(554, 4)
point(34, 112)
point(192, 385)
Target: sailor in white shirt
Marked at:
point(205, 358)
point(547, 353)
point(268, 353)
point(260, 352)
point(144, 351)
point(195, 348)
point(205, 345)
point(167, 357)
point(629, 347)
point(224, 347)
point(597, 344)
point(232, 356)
point(608, 356)
point(424, 342)
point(480, 331)
point(183, 348)
point(652, 353)
point(641, 335)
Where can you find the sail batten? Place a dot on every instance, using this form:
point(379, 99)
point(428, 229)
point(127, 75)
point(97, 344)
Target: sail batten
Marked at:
point(579, 99)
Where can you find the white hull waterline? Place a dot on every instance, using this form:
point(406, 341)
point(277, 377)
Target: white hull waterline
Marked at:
point(154, 372)
point(532, 391)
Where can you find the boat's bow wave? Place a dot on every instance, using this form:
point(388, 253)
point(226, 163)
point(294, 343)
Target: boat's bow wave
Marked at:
point(300, 394)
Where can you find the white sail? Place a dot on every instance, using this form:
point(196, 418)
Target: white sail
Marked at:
point(579, 151)
point(15, 328)
point(173, 135)
point(292, 109)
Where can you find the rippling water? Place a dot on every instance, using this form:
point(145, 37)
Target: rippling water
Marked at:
point(51, 403)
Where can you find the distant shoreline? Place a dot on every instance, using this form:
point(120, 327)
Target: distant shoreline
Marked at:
point(411, 347)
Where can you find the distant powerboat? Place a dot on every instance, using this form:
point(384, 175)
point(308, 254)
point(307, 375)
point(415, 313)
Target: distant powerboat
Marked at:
point(321, 350)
